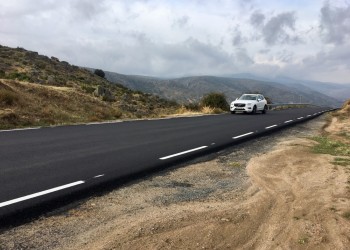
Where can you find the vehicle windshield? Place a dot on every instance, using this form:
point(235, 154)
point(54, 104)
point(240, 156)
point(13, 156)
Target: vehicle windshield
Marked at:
point(248, 97)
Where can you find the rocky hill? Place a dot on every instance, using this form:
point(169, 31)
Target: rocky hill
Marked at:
point(192, 89)
point(36, 90)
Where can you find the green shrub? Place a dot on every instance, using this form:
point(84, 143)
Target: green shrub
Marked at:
point(19, 76)
point(215, 100)
point(88, 89)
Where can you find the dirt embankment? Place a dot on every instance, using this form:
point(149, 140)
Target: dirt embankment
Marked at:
point(272, 193)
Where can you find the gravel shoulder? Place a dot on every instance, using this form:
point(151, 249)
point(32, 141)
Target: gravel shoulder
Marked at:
point(269, 193)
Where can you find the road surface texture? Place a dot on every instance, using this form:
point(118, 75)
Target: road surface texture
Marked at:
point(271, 192)
point(45, 164)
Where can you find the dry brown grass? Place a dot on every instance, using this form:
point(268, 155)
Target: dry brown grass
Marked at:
point(346, 107)
point(28, 104)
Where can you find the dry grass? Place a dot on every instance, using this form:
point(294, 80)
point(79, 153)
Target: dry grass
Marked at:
point(27, 104)
point(210, 110)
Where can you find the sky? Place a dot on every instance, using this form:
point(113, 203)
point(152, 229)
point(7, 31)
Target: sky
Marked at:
point(302, 39)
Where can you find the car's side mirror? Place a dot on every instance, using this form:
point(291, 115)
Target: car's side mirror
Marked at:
point(259, 100)
point(236, 99)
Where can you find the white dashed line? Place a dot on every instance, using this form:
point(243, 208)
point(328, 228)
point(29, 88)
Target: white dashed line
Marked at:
point(300, 118)
point(182, 153)
point(288, 121)
point(239, 136)
point(31, 196)
point(308, 115)
point(98, 176)
point(271, 126)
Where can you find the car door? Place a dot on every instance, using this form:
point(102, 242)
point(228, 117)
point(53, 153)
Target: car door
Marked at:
point(260, 102)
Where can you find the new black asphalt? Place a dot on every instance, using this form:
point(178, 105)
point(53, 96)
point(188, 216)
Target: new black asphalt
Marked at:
point(45, 164)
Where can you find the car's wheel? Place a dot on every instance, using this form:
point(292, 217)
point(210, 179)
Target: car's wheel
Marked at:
point(254, 110)
point(264, 110)
point(233, 112)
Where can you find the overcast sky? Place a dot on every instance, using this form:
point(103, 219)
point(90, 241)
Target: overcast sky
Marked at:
point(304, 39)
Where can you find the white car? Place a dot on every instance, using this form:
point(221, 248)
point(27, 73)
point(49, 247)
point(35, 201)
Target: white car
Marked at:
point(249, 103)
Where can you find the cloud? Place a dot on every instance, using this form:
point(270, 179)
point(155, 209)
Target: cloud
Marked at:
point(335, 23)
point(238, 38)
point(146, 57)
point(88, 9)
point(181, 22)
point(176, 38)
point(257, 19)
point(276, 30)
point(242, 58)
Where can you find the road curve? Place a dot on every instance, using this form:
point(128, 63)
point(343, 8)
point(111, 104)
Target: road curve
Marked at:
point(43, 164)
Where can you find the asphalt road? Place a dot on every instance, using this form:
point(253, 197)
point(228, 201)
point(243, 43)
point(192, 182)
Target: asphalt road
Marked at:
point(45, 164)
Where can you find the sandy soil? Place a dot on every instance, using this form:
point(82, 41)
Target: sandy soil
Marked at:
point(272, 193)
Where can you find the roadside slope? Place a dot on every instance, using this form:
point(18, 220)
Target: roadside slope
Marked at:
point(36, 90)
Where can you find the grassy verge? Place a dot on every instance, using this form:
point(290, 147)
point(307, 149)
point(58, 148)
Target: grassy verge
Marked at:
point(329, 146)
point(336, 142)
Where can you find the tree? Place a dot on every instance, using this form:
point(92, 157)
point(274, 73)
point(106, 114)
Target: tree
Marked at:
point(100, 73)
point(215, 100)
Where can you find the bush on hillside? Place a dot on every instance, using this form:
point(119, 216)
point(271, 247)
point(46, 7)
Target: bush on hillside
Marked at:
point(19, 76)
point(215, 100)
point(193, 106)
point(7, 97)
point(100, 73)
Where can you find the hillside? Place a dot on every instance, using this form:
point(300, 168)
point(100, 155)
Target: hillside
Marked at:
point(335, 90)
point(191, 89)
point(338, 91)
point(36, 90)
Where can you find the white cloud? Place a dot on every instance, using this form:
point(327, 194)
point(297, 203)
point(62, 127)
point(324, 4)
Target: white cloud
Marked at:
point(176, 38)
point(335, 23)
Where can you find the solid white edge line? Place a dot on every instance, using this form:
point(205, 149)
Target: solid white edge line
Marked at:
point(18, 129)
point(271, 126)
point(31, 196)
point(101, 123)
point(239, 136)
point(288, 121)
point(182, 153)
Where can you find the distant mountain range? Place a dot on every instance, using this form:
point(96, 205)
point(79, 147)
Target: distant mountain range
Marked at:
point(280, 90)
point(338, 91)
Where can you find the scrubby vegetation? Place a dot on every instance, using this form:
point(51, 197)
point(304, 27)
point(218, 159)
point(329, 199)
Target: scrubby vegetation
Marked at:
point(338, 144)
point(36, 90)
point(100, 73)
point(215, 101)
